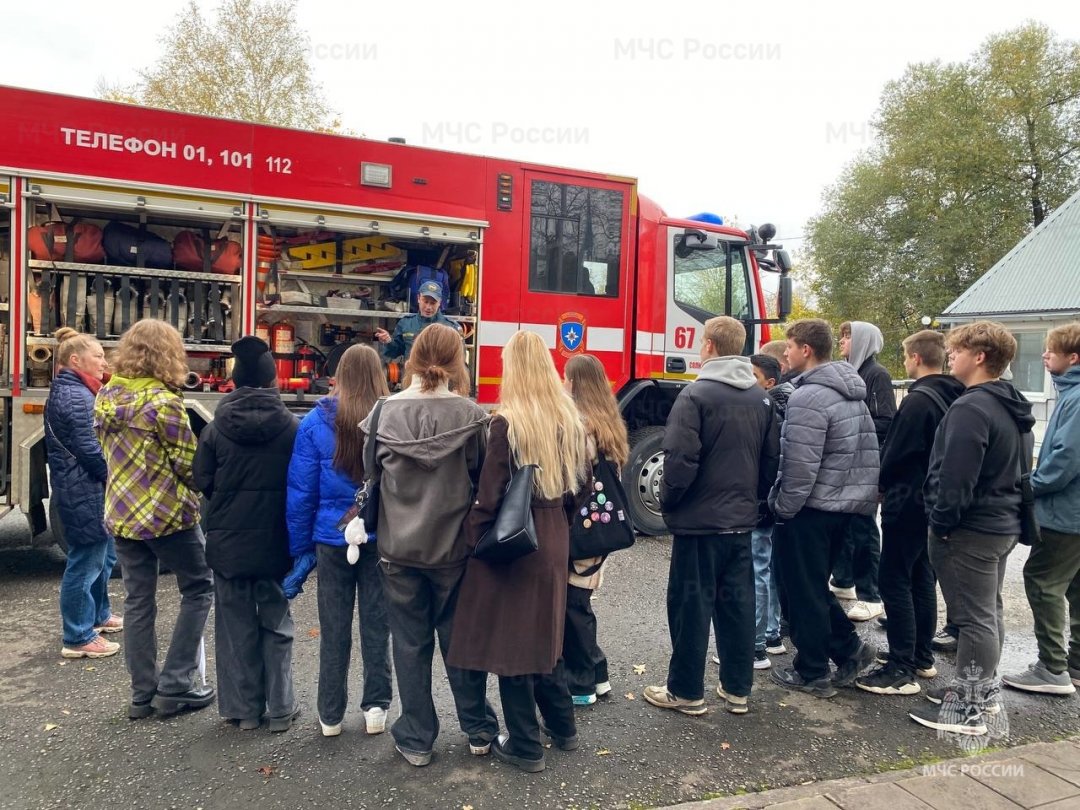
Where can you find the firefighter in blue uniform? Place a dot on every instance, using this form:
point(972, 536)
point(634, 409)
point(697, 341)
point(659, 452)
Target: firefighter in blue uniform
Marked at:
point(429, 299)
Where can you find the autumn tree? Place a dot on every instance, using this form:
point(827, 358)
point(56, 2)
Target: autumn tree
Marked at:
point(968, 157)
point(249, 62)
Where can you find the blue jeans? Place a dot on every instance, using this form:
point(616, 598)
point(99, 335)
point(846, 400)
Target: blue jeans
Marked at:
point(766, 593)
point(84, 590)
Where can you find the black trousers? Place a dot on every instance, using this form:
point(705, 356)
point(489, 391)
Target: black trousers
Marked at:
point(420, 603)
point(586, 664)
point(858, 562)
point(711, 580)
point(809, 544)
point(908, 589)
point(521, 695)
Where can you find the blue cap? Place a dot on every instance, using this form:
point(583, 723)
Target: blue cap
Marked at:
point(432, 289)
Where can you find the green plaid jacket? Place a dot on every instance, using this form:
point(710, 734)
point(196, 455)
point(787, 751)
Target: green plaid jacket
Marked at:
point(148, 443)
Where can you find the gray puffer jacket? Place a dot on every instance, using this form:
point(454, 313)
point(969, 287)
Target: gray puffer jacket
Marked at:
point(828, 446)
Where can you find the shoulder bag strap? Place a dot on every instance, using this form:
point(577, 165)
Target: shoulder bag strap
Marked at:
point(369, 446)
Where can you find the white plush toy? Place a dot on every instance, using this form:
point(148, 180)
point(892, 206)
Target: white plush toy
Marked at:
point(355, 534)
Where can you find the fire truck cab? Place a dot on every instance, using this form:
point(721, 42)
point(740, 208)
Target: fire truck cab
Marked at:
point(110, 213)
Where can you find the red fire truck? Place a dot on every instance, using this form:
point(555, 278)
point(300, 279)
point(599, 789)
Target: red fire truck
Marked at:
point(110, 213)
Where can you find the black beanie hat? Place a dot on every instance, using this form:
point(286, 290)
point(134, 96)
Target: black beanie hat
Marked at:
point(254, 367)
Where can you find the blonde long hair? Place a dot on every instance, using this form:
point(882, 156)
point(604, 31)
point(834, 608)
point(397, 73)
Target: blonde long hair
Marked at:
point(544, 425)
point(592, 395)
point(152, 348)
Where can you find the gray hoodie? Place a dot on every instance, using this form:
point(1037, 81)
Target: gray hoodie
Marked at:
point(429, 452)
point(866, 341)
point(828, 446)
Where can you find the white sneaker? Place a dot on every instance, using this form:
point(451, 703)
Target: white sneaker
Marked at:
point(375, 720)
point(865, 611)
point(603, 688)
point(330, 731)
point(842, 593)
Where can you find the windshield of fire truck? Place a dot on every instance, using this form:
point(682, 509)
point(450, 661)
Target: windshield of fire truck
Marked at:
point(701, 283)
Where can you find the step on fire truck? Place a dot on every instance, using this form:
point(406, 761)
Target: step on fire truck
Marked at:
point(110, 213)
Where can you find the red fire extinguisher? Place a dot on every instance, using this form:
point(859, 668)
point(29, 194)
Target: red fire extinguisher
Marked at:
point(305, 362)
point(262, 331)
point(283, 338)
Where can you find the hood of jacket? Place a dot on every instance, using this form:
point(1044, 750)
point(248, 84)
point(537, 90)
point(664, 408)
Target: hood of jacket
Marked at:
point(123, 397)
point(1017, 407)
point(1067, 381)
point(252, 416)
point(732, 370)
point(944, 384)
point(866, 341)
point(838, 375)
point(411, 427)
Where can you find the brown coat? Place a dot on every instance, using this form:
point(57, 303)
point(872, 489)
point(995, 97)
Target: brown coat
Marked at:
point(510, 616)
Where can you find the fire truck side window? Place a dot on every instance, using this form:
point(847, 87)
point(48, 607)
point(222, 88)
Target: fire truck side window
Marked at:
point(701, 284)
point(575, 239)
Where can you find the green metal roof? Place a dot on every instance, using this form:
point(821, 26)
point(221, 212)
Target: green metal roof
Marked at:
point(1040, 275)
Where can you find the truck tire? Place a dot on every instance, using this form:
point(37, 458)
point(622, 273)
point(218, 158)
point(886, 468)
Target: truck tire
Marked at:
point(641, 479)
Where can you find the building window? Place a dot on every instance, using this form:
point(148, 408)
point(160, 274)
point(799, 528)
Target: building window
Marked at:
point(575, 243)
point(1027, 367)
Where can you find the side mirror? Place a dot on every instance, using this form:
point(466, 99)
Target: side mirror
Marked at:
point(783, 261)
point(785, 297)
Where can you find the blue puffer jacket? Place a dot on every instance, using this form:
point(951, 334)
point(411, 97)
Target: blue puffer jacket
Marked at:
point(318, 494)
point(76, 464)
point(1056, 479)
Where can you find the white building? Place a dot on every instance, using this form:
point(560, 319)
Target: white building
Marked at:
point(1033, 288)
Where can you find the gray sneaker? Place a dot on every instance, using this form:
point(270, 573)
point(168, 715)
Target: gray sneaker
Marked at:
point(1074, 673)
point(944, 641)
point(1041, 680)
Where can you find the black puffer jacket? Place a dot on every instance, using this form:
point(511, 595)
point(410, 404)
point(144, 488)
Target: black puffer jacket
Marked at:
point(722, 447)
point(974, 478)
point(76, 464)
point(241, 466)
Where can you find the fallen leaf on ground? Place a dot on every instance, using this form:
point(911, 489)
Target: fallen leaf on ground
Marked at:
point(65, 711)
point(266, 770)
point(313, 632)
point(89, 669)
point(603, 752)
point(51, 726)
point(466, 807)
point(639, 669)
point(724, 746)
point(629, 695)
point(782, 705)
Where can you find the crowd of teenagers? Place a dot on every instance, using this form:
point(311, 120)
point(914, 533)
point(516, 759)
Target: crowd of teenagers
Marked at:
point(775, 466)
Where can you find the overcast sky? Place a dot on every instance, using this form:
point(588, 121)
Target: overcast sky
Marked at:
point(747, 110)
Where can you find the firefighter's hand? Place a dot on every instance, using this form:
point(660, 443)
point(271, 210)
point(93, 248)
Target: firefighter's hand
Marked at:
point(382, 336)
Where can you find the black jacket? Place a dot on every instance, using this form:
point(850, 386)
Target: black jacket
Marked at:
point(77, 470)
point(241, 466)
point(974, 477)
point(722, 446)
point(880, 397)
point(905, 457)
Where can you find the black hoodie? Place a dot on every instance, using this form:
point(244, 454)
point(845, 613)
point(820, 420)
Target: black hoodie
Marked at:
point(905, 456)
point(974, 477)
point(241, 466)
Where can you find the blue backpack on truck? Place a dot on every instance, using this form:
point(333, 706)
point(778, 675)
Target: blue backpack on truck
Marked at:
point(406, 283)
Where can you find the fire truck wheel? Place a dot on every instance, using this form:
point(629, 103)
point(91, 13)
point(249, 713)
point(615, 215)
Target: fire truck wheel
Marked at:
point(57, 527)
point(641, 479)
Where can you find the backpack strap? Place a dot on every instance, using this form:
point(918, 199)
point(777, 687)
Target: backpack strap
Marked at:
point(935, 397)
point(369, 446)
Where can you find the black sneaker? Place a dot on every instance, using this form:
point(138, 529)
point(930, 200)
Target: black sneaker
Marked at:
point(197, 698)
point(883, 622)
point(849, 670)
point(944, 641)
point(137, 711)
point(775, 646)
point(277, 725)
point(888, 680)
point(761, 660)
point(788, 678)
point(937, 696)
point(498, 748)
point(958, 720)
point(562, 743)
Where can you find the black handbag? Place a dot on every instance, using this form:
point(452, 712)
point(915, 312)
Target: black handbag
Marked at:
point(602, 524)
point(513, 534)
point(366, 502)
point(1030, 533)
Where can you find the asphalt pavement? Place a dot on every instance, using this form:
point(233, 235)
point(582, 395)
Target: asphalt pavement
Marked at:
point(65, 740)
